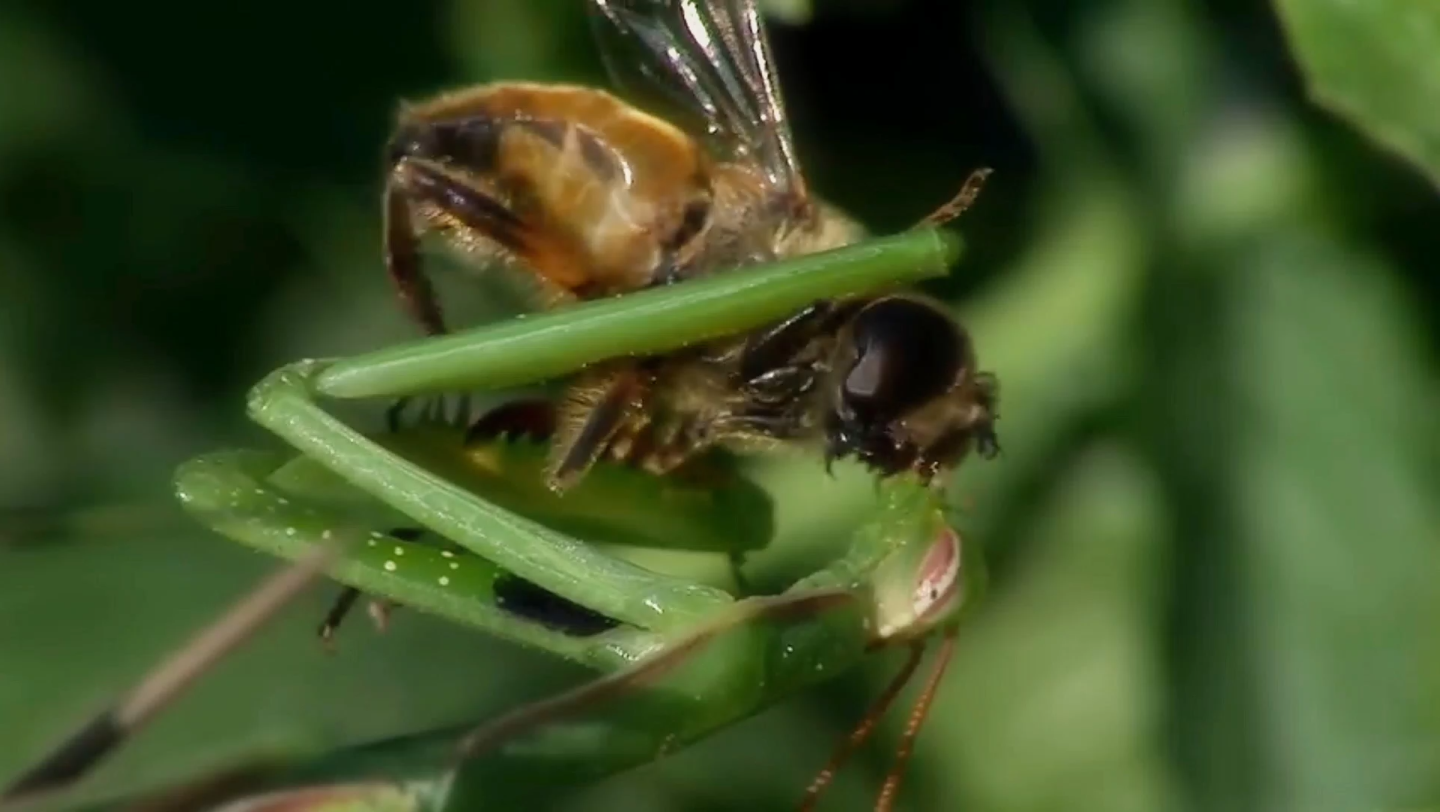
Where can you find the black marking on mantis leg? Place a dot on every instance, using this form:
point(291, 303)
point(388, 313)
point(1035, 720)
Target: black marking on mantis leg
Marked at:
point(533, 602)
point(513, 594)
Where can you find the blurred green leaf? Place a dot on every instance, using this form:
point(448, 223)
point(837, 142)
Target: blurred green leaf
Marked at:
point(1291, 440)
point(59, 96)
point(1377, 63)
point(790, 12)
point(1053, 705)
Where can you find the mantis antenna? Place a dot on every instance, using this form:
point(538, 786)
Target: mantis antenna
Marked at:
point(862, 731)
point(912, 728)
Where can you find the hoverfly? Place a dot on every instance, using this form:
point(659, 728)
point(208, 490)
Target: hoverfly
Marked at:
point(590, 196)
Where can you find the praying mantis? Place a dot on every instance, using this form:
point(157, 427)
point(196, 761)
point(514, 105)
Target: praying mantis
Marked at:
point(419, 519)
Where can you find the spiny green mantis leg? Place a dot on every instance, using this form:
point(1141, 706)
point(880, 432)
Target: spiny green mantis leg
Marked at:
point(292, 502)
point(294, 508)
point(236, 493)
point(547, 345)
point(523, 351)
point(904, 578)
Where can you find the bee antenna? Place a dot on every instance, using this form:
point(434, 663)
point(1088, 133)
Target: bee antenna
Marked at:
point(962, 200)
point(862, 731)
point(891, 788)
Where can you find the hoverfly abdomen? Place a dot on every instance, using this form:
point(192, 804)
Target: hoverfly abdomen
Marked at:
point(584, 193)
point(591, 197)
point(471, 142)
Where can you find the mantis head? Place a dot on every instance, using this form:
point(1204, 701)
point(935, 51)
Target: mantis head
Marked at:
point(924, 583)
point(928, 578)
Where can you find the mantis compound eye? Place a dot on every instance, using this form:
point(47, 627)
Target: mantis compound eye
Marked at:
point(938, 580)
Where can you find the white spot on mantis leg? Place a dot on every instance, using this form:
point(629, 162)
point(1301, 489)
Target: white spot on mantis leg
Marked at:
point(389, 566)
point(444, 580)
point(325, 535)
point(454, 565)
point(290, 531)
point(371, 543)
point(447, 554)
point(399, 551)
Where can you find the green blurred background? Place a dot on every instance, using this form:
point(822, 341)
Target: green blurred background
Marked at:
point(1212, 307)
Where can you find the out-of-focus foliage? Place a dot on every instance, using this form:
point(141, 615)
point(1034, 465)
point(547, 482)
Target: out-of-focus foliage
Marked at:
point(1377, 64)
point(1211, 306)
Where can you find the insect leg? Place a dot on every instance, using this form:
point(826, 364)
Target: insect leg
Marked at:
point(429, 184)
point(777, 345)
point(782, 383)
point(420, 184)
point(402, 262)
point(595, 411)
point(535, 419)
point(785, 426)
point(344, 602)
point(985, 438)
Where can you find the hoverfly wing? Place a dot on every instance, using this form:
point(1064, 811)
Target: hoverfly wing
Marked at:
point(707, 59)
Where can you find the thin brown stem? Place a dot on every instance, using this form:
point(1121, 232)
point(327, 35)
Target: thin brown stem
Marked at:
point(107, 731)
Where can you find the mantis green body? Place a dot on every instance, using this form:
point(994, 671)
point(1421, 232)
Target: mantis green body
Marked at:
point(679, 659)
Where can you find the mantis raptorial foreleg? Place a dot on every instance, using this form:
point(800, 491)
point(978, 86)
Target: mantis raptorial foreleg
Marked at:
point(390, 489)
point(557, 343)
point(901, 578)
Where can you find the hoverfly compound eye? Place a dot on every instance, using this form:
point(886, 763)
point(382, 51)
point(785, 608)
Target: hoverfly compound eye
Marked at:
point(906, 353)
point(939, 576)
